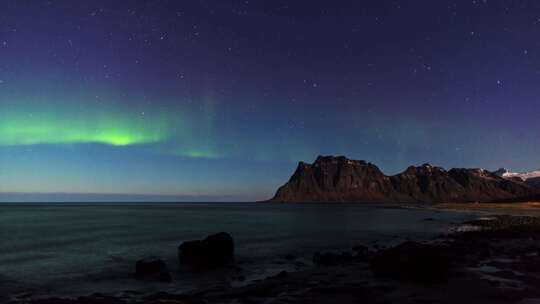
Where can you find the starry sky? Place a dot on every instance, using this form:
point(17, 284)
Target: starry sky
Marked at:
point(219, 99)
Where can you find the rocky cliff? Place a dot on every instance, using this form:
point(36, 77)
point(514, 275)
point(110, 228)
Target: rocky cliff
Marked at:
point(339, 179)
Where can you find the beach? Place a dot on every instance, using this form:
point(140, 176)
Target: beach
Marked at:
point(520, 208)
point(491, 259)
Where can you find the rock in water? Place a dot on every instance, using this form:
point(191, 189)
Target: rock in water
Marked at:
point(152, 268)
point(412, 261)
point(214, 251)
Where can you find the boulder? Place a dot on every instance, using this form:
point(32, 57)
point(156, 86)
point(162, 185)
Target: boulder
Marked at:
point(152, 268)
point(214, 251)
point(412, 261)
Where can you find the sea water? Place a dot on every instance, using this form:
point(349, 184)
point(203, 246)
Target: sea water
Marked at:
point(73, 249)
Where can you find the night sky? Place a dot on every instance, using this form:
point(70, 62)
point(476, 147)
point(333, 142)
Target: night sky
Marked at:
point(218, 100)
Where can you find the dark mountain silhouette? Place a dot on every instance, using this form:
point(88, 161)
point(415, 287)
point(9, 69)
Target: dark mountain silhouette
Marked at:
point(533, 182)
point(339, 179)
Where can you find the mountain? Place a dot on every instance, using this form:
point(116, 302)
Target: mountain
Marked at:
point(339, 179)
point(533, 182)
point(531, 178)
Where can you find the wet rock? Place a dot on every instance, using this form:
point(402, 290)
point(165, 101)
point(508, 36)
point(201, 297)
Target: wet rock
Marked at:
point(214, 251)
point(412, 261)
point(152, 268)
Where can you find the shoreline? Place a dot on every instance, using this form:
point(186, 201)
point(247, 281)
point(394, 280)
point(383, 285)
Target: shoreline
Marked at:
point(493, 263)
point(516, 209)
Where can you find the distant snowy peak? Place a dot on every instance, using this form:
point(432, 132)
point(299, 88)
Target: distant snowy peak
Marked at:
point(524, 176)
point(501, 172)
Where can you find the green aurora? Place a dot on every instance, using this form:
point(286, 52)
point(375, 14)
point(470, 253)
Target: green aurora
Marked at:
point(21, 127)
point(169, 131)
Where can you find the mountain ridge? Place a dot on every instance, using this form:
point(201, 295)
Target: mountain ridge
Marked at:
point(531, 178)
point(339, 179)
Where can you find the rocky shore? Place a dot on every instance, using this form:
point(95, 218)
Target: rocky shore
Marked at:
point(493, 259)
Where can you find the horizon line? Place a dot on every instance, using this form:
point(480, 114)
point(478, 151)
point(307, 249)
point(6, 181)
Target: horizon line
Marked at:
point(73, 197)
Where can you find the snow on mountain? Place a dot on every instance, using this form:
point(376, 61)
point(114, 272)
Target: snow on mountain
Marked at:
point(524, 176)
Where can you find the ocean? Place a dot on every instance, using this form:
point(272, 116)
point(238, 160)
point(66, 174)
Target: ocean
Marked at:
point(77, 249)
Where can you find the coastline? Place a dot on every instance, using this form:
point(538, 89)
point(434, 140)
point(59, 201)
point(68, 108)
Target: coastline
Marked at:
point(493, 263)
point(518, 209)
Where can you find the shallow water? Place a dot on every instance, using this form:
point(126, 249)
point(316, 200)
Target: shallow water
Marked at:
point(81, 248)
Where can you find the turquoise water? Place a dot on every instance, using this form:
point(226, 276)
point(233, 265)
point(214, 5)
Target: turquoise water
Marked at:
point(78, 248)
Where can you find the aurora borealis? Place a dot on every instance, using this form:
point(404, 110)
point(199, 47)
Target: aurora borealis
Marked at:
point(44, 126)
point(219, 99)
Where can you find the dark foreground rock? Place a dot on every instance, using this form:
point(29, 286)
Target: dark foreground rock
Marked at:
point(413, 261)
point(152, 268)
point(214, 251)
